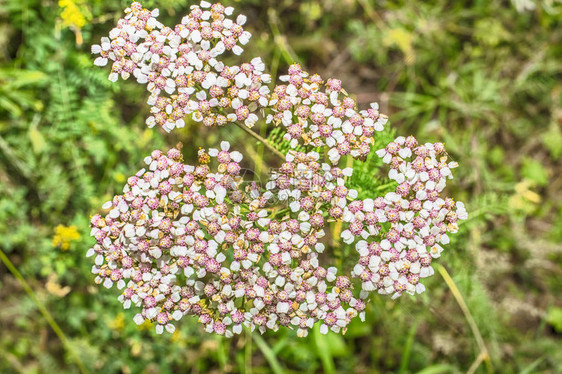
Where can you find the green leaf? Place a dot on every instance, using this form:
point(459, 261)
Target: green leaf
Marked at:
point(552, 140)
point(37, 140)
point(16, 78)
point(554, 318)
point(324, 350)
point(534, 171)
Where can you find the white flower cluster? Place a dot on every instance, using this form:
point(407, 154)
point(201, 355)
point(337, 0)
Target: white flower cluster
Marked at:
point(181, 67)
point(393, 261)
point(318, 114)
point(199, 240)
point(179, 243)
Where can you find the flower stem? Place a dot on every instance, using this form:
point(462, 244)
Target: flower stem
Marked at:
point(261, 139)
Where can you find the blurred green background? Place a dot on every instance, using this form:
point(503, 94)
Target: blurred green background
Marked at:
point(483, 76)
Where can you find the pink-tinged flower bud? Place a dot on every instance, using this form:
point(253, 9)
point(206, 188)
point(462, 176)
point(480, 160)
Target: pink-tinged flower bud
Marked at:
point(334, 85)
point(346, 295)
point(356, 227)
point(316, 220)
point(295, 69)
point(233, 168)
point(425, 261)
point(343, 282)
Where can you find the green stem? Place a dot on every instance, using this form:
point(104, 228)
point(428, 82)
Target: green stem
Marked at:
point(262, 140)
point(268, 353)
point(46, 314)
point(385, 186)
point(248, 352)
point(280, 40)
point(373, 15)
point(484, 353)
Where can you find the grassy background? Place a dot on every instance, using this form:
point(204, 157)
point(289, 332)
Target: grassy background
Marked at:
point(482, 76)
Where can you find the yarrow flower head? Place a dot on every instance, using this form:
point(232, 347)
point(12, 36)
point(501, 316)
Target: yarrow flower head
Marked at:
point(393, 261)
point(319, 113)
point(176, 221)
point(181, 66)
point(200, 240)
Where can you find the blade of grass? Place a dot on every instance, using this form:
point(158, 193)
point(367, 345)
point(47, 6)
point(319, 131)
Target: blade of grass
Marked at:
point(533, 366)
point(280, 40)
point(280, 344)
point(222, 355)
point(324, 351)
point(248, 353)
point(268, 354)
point(476, 363)
point(372, 14)
point(438, 369)
point(484, 353)
point(407, 352)
point(46, 314)
point(275, 63)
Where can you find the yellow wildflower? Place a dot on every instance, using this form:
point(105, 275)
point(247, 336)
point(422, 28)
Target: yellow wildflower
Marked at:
point(64, 235)
point(146, 325)
point(176, 337)
point(118, 323)
point(71, 14)
point(120, 177)
point(524, 199)
point(404, 40)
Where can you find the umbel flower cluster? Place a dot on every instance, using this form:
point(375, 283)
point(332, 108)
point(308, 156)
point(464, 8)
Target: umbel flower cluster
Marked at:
point(201, 240)
point(181, 66)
